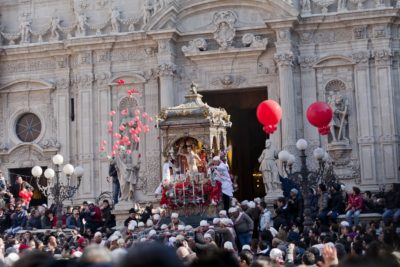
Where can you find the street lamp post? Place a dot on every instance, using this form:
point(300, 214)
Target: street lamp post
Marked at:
point(55, 188)
point(305, 178)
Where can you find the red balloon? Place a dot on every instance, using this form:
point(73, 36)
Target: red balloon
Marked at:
point(30, 194)
point(319, 114)
point(269, 129)
point(269, 112)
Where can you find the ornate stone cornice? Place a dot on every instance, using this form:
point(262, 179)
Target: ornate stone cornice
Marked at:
point(284, 58)
point(196, 45)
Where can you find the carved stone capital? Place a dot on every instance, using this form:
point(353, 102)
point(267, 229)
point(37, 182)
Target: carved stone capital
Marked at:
point(361, 57)
point(196, 45)
point(166, 70)
point(307, 62)
point(359, 32)
point(284, 59)
point(50, 143)
point(382, 55)
point(102, 78)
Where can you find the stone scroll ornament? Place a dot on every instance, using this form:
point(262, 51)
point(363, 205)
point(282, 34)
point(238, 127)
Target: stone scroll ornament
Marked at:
point(269, 113)
point(324, 4)
point(320, 114)
point(129, 131)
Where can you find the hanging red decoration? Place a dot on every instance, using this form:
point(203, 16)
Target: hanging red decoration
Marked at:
point(269, 113)
point(319, 114)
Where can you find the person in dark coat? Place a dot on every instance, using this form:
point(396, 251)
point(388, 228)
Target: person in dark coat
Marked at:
point(281, 211)
point(113, 174)
point(336, 203)
point(295, 207)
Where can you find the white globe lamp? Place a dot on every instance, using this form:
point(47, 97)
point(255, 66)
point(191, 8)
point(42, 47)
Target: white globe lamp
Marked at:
point(49, 173)
point(68, 169)
point(37, 171)
point(58, 159)
point(301, 144)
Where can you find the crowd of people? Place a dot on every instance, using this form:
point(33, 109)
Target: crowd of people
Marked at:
point(249, 233)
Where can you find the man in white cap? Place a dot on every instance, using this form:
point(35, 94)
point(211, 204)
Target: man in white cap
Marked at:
point(222, 214)
point(220, 173)
point(200, 231)
point(175, 222)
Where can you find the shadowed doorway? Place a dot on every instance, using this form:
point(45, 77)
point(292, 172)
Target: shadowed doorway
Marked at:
point(245, 136)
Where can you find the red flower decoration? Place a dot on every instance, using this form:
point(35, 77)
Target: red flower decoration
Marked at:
point(121, 82)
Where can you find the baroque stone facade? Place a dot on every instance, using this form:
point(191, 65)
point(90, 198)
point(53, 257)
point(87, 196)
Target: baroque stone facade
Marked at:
point(61, 60)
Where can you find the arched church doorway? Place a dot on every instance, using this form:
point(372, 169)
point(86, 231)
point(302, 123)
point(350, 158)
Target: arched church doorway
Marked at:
point(245, 136)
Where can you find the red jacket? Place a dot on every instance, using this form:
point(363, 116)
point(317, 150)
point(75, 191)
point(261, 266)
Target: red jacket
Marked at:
point(355, 201)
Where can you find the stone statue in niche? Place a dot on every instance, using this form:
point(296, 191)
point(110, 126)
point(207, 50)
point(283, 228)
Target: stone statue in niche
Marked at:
point(158, 5)
point(115, 16)
point(128, 166)
point(81, 21)
point(305, 6)
point(55, 26)
point(225, 31)
point(342, 5)
point(340, 108)
point(25, 29)
point(148, 11)
point(269, 168)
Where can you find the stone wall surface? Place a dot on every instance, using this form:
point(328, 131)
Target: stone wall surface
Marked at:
point(61, 59)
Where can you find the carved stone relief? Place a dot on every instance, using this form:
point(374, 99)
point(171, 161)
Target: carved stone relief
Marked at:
point(228, 80)
point(224, 32)
point(196, 45)
point(251, 40)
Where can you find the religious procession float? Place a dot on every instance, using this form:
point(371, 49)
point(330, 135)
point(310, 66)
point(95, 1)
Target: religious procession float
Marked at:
point(191, 135)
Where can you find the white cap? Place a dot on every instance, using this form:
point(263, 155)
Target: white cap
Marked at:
point(207, 235)
point(273, 231)
point(149, 223)
point(156, 217)
point(174, 215)
point(164, 226)
point(227, 222)
point(246, 247)
point(217, 158)
point(344, 224)
point(276, 254)
point(222, 213)
point(188, 228)
point(257, 200)
point(113, 238)
point(143, 239)
point(180, 237)
point(172, 240)
point(228, 245)
point(216, 220)
point(244, 202)
point(155, 211)
point(232, 210)
point(11, 259)
point(141, 224)
point(203, 223)
point(132, 225)
point(77, 254)
point(251, 204)
point(97, 234)
point(152, 233)
point(181, 227)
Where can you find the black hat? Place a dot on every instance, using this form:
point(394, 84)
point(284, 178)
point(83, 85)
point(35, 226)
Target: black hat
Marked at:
point(132, 210)
point(337, 187)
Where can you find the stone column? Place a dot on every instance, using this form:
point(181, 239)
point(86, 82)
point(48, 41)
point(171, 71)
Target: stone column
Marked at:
point(166, 70)
point(365, 121)
point(285, 64)
point(387, 135)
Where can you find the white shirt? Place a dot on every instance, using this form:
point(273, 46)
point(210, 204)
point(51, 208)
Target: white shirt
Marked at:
point(223, 176)
point(265, 220)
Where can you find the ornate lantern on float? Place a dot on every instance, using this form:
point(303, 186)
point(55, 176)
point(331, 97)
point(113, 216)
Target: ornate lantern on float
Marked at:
point(269, 113)
point(320, 114)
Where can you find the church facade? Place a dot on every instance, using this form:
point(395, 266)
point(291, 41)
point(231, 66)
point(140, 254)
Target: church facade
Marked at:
point(60, 62)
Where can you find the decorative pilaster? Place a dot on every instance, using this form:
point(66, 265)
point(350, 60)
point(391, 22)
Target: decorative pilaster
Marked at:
point(309, 95)
point(285, 63)
point(366, 140)
point(387, 135)
point(166, 71)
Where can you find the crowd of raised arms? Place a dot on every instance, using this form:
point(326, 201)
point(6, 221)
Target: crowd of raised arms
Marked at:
point(249, 233)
